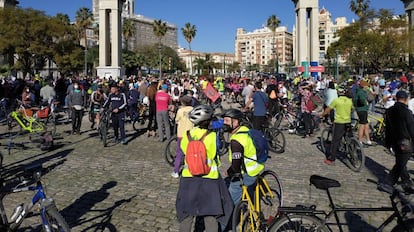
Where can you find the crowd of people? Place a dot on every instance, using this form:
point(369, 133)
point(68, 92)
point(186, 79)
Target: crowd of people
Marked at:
point(208, 195)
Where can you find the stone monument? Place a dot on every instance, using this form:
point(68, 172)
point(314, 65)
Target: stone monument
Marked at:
point(110, 39)
point(307, 32)
point(409, 9)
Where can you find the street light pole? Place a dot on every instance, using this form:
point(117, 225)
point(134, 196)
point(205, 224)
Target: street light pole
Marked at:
point(337, 64)
point(85, 71)
point(160, 60)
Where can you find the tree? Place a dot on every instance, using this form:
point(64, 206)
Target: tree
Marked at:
point(128, 30)
point(189, 31)
point(84, 20)
point(160, 29)
point(273, 23)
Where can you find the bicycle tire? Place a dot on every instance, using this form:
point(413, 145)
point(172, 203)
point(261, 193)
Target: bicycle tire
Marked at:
point(269, 205)
point(55, 221)
point(326, 140)
point(140, 124)
point(298, 222)
point(278, 120)
point(355, 158)
point(103, 131)
point(241, 218)
point(276, 140)
point(170, 150)
point(51, 124)
point(406, 226)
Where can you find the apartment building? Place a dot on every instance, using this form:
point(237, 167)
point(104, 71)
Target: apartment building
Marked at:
point(259, 47)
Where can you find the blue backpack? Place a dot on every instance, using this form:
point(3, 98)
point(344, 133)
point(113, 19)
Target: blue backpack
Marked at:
point(260, 142)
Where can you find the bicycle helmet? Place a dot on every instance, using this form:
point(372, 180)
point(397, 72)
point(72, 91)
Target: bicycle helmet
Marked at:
point(201, 113)
point(233, 113)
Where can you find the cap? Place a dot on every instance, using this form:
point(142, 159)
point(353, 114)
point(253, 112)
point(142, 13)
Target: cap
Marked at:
point(164, 86)
point(401, 94)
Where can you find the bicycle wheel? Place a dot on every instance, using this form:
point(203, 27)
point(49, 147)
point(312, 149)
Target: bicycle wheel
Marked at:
point(170, 150)
point(270, 201)
point(298, 222)
point(277, 120)
point(103, 130)
point(326, 140)
point(276, 140)
point(51, 124)
point(355, 158)
point(242, 220)
point(406, 226)
point(54, 221)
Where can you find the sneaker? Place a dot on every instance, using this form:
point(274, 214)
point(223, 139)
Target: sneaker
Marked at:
point(369, 143)
point(123, 142)
point(175, 174)
point(329, 162)
point(116, 140)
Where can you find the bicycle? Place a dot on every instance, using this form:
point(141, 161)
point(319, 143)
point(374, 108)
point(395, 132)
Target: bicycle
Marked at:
point(256, 213)
point(377, 131)
point(30, 180)
point(140, 122)
point(349, 145)
point(103, 126)
point(303, 218)
point(275, 137)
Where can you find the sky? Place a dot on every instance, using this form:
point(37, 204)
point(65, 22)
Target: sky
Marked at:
point(216, 20)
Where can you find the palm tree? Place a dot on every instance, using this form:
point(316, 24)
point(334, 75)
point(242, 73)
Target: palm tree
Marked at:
point(361, 9)
point(189, 32)
point(84, 20)
point(128, 30)
point(159, 29)
point(272, 23)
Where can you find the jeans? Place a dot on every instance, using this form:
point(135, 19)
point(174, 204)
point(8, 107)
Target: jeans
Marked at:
point(400, 169)
point(163, 121)
point(118, 122)
point(236, 191)
point(76, 120)
point(338, 132)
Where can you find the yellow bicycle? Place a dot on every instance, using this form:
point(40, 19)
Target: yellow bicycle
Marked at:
point(256, 213)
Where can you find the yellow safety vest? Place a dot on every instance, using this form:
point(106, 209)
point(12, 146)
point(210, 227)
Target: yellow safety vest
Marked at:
point(253, 168)
point(211, 147)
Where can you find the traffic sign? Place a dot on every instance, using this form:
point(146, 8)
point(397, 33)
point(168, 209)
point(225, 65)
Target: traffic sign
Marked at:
point(316, 69)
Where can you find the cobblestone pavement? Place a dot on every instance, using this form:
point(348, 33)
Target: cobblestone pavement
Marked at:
point(129, 187)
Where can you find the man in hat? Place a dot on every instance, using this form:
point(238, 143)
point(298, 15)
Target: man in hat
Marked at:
point(399, 135)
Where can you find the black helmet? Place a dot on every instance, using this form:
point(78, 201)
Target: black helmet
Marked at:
point(233, 113)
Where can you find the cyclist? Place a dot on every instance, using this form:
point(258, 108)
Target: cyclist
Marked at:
point(98, 97)
point(118, 105)
point(242, 154)
point(399, 135)
point(260, 101)
point(184, 124)
point(206, 196)
point(343, 107)
point(77, 102)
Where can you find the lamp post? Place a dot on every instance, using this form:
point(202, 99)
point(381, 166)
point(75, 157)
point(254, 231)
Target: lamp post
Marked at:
point(160, 60)
point(85, 71)
point(224, 65)
point(337, 64)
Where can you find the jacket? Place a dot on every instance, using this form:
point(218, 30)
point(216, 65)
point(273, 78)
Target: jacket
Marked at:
point(399, 125)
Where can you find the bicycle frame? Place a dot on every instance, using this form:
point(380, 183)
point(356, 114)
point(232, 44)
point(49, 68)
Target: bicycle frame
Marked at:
point(39, 198)
point(39, 127)
point(254, 215)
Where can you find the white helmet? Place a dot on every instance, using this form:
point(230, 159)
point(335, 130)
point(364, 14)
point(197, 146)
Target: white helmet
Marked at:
point(201, 113)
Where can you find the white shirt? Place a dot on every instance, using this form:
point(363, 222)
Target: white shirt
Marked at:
point(411, 105)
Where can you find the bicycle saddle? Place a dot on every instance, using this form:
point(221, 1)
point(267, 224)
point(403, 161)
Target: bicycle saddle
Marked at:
point(323, 183)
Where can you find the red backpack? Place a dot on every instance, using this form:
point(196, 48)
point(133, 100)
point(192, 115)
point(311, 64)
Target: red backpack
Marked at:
point(196, 156)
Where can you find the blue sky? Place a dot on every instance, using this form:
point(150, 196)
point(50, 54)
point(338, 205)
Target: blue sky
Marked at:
point(216, 20)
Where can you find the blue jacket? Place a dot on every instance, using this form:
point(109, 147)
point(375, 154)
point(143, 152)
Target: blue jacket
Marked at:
point(118, 101)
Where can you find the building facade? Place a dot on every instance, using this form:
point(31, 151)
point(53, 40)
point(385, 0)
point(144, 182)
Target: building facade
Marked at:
point(144, 34)
point(259, 47)
point(224, 59)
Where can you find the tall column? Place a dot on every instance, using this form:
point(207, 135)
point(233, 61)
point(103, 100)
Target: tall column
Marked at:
point(307, 31)
point(110, 39)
